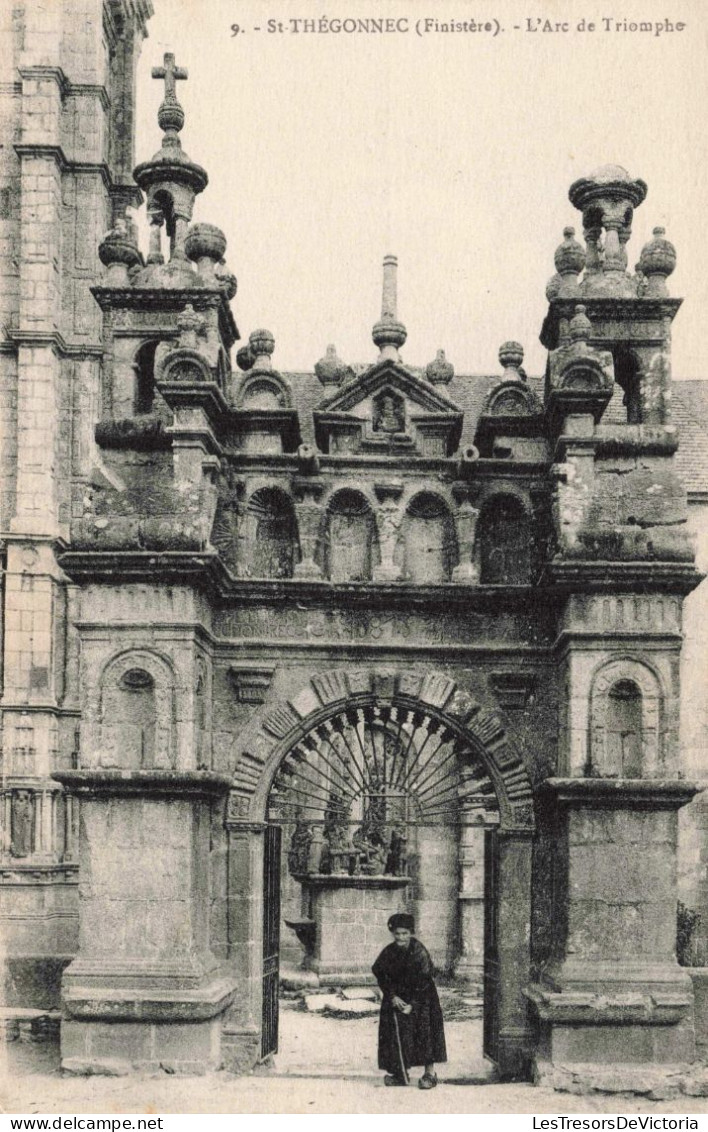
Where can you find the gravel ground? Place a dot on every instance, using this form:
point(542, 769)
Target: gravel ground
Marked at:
point(325, 1065)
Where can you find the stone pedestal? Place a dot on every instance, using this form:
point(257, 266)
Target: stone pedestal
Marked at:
point(612, 997)
point(350, 915)
point(144, 990)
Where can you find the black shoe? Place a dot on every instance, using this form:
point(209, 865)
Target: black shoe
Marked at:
point(428, 1081)
point(389, 1079)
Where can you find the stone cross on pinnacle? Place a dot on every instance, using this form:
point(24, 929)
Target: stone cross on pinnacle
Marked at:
point(170, 73)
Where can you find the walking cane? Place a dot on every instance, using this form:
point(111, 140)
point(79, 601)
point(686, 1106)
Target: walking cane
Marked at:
point(404, 1071)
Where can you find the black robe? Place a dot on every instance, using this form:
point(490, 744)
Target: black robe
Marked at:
point(408, 973)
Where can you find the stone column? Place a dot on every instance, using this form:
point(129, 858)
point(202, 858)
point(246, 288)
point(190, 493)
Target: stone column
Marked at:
point(241, 1037)
point(470, 965)
point(513, 912)
point(145, 989)
point(612, 997)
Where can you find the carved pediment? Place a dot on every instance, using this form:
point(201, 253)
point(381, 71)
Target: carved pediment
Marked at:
point(390, 408)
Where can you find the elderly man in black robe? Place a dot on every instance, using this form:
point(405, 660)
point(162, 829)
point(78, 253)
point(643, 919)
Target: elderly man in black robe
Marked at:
point(411, 1030)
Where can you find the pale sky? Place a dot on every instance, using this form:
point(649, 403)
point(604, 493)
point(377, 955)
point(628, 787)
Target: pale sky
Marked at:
point(452, 151)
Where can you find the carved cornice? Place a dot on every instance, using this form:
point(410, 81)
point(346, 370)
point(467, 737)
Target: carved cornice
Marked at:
point(148, 783)
point(636, 310)
point(25, 336)
point(601, 576)
point(56, 153)
point(621, 793)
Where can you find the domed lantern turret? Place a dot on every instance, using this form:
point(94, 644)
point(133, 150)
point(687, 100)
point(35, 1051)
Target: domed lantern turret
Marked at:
point(170, 179)
point(607, 199)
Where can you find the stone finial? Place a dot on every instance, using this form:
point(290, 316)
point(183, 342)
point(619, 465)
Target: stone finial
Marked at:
point(580, 326)
point(388, 333)
point(261, 344)
point(440, 371)
point(170, 116)
point(570, 255)
point(657, 261)
point(119, 252)
point(553, 287)
point(205, 245)
point(511, 356)
point(569, 260)
point(226, 279)
point(331, 370)
point(189, 324)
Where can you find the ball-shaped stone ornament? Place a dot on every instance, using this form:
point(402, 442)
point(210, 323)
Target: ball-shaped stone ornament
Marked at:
point(117, 247)
point(553, 286)
point(511, 355)
point(570, 255)
point(331, 370)
point(658, 256)
point(205, 241)
point(170, 116)
point(226, 279)
point(261, 342)
point(440, 371)
point(580, 326)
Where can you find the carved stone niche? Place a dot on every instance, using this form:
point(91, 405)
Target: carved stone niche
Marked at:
point(251, 682)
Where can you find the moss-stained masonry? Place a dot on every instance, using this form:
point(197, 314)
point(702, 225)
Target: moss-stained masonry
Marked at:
point(428, 624)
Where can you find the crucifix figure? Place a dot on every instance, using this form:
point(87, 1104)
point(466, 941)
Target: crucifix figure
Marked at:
point(170, 73)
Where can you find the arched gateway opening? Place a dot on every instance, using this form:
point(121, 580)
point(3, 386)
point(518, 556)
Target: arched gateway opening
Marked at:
point(381, 794)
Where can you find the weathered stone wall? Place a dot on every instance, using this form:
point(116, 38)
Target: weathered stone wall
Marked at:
point(693, 842)
point(59, 184)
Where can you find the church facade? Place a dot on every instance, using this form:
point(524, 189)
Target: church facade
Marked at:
point(286, 652)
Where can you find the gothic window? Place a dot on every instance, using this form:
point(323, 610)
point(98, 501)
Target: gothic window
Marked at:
point(504, 542)
point(430, 546)
point(272, 535)
point(624, 730)
point(349, 538)
point(145, 378)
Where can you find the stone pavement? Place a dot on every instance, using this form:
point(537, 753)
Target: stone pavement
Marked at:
point(325, 1065)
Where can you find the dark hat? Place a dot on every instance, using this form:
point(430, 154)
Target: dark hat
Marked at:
point(401, 920)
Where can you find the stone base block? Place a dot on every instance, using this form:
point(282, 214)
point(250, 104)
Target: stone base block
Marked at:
point(240, 1048)
point(610, 1045)
point(117, 1048)
point(699, 978)
point(621, 1079)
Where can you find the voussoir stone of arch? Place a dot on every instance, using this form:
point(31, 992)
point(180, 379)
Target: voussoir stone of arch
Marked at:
point(280, 720)
point(331, 686)
point(437, 689)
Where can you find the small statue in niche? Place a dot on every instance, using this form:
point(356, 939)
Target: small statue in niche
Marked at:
point(371, 850)
point(22, 822)
point(337, 849)
point(389, 416)
point(397, 859)
point(299, 852)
